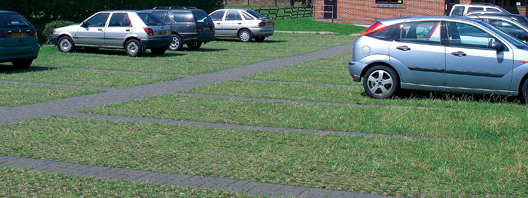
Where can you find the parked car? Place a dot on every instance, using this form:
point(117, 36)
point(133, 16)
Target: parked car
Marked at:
point(134, 31)
point(446, 54)
point(516, 17)
point(189, 26)
point(245, 24)
point(463, 9)
point(505, 23)
point(18, 40)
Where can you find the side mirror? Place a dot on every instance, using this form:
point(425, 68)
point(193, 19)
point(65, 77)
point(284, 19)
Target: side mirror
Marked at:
point(84, 24)
point(497, 46)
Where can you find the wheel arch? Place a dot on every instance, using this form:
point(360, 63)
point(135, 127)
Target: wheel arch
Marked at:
point(373, 64)
point(128, 39)
point(524, 78)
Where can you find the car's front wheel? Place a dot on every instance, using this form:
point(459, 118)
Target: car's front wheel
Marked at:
point(381, 82)
point(21, 64)
point(158, 50)
point(65, 44)
point(524, 92)
point(176, 43)
point(260, 38)
point(194, 45)
point(245, 35)
point(133, 48)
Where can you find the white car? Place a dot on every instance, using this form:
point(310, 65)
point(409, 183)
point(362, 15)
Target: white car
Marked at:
point(134, 31)
point(463, 9)
point(245, 24)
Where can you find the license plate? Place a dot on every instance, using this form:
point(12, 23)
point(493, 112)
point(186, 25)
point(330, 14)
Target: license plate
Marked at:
point(18, 35)
point(162, 32)
point(269, 24)
point(206, 28)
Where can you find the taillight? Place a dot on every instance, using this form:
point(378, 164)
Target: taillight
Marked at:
point(3, 34)
point(213, 27)
point(195, 29)
point(33, 32)
point(374, 27)
point(262, 24)
point(149, 31)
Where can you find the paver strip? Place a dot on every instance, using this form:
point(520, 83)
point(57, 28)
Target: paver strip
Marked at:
point(69, 106)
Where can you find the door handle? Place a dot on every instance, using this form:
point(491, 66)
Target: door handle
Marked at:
point(100, 30)
point(218, 24)
point(459, 53)
point(239, 23)
point(403, 48)
point(128, 30)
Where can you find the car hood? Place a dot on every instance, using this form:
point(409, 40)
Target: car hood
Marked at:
point(69, 27)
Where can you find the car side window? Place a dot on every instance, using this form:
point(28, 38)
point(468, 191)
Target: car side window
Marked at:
point(464, 35)
point(217, 16)
point(119, 20)
point(162, 15)
point(183, 17)
point(458, 11)
point(247, 16)
point(475, 9)
point(98, 20)
point(421, 32)
point(232, 16)
point(492, 9)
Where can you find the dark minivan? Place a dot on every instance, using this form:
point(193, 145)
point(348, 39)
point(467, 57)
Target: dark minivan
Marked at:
point(189, 25)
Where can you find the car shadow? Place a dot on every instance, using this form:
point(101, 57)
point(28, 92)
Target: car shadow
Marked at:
point(201, 50)
point(253, 41)
point(10, 69)
point(122, 52)
point(462, 97)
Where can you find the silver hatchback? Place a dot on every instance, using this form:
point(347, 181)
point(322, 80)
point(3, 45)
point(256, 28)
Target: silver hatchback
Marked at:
point(134, 31)
point(446, 54)
point(245, 24)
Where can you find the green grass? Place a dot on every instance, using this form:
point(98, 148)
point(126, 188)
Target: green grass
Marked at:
point(20, 94)
point(391, 166)
point(307, 24)
point(17, 182)
point(85, 77)
point(307, 76)
point(494, 121)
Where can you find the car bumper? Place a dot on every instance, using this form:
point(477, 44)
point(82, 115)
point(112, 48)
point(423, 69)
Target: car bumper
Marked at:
point(54, 39)
point(157, 42)
point(266, 31)
point(198, 37)
point(355, 69)
point(12, 53)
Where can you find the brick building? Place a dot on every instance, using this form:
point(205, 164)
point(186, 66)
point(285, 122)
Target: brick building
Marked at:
point(366, 11)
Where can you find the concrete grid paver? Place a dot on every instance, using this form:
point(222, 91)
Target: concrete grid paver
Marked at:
point(69, 106)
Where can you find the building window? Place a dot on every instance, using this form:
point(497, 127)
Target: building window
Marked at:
point(517, 3)
point(389, 1)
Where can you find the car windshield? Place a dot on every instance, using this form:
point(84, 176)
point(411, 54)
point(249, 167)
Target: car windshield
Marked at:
point(202, 16)
point(13, 20)
point(516, 42)
point(256, 14)
point(150, 19)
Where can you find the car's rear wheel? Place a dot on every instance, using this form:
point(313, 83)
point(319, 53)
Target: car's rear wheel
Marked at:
point(176, 43)
point(524, 92)
point(260, 38)
point(158, 50)
point(245, 35)
point(65, 44)
point(21, 64)
point(133, 48)
point(381, 82)
point(194, 45)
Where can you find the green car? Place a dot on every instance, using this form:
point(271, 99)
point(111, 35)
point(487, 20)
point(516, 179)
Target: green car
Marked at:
point(18, 40)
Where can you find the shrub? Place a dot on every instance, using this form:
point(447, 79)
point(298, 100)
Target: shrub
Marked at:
point(48, 29)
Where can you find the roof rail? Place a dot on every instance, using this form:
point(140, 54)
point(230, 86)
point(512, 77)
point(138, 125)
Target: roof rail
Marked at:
point(481, 3)
point(174, 7)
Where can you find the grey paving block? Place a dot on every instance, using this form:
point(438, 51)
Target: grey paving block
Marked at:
point(131, 174)
point(176, 178)
point(75, 168)
point(240, 186)
point(91, 171)
point(147, 178)
point(111, 173)
point(8, 160)
point(289, 191)
point(370, 196)
point(163, 178)
point(53, 166)
point(316, 193)
point(265, 189)
point(194, 181)
point(23, 163)
point(217, 183)
point(342, 194)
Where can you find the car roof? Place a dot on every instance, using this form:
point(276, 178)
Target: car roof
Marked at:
point(190, 8)
point(235, 9)
point(7, 12)
point(390, 21)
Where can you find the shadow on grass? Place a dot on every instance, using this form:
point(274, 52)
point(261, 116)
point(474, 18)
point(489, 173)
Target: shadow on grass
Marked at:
point(463, 97)
point(10, 69)
point(201, 50)
point(120, 52)
point(253, 41)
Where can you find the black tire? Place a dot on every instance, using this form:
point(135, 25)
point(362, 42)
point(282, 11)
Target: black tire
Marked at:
point(176, 43)
point(194, 46)
point(158, 50)
point(133, 48)
point(524, 92)
point(65, 44)
point(381, 82)
point(245, 35)
point(260, 38)
point(22, 64)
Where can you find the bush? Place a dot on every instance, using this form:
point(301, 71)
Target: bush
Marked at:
point(48, 29)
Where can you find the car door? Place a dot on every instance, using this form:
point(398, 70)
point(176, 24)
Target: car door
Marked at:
point(218, 20)
point(471, 62)
point(185, 23)
point(419, 48)
point(118, 29)
point(232, 23)
point(91, 32)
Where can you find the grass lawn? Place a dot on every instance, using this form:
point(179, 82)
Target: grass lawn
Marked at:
point(20, 94)
point(16, 182)
point(395, 166)
point(307, 76)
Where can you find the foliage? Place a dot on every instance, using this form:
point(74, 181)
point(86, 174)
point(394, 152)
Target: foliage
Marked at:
point(48, 29)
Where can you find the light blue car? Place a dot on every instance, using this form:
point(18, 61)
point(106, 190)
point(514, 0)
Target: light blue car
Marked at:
point(446, 54)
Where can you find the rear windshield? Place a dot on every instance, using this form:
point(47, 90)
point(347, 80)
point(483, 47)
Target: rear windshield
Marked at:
point(202, 16)
point(256, 14)
point(150, 19)
point(8, 20)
